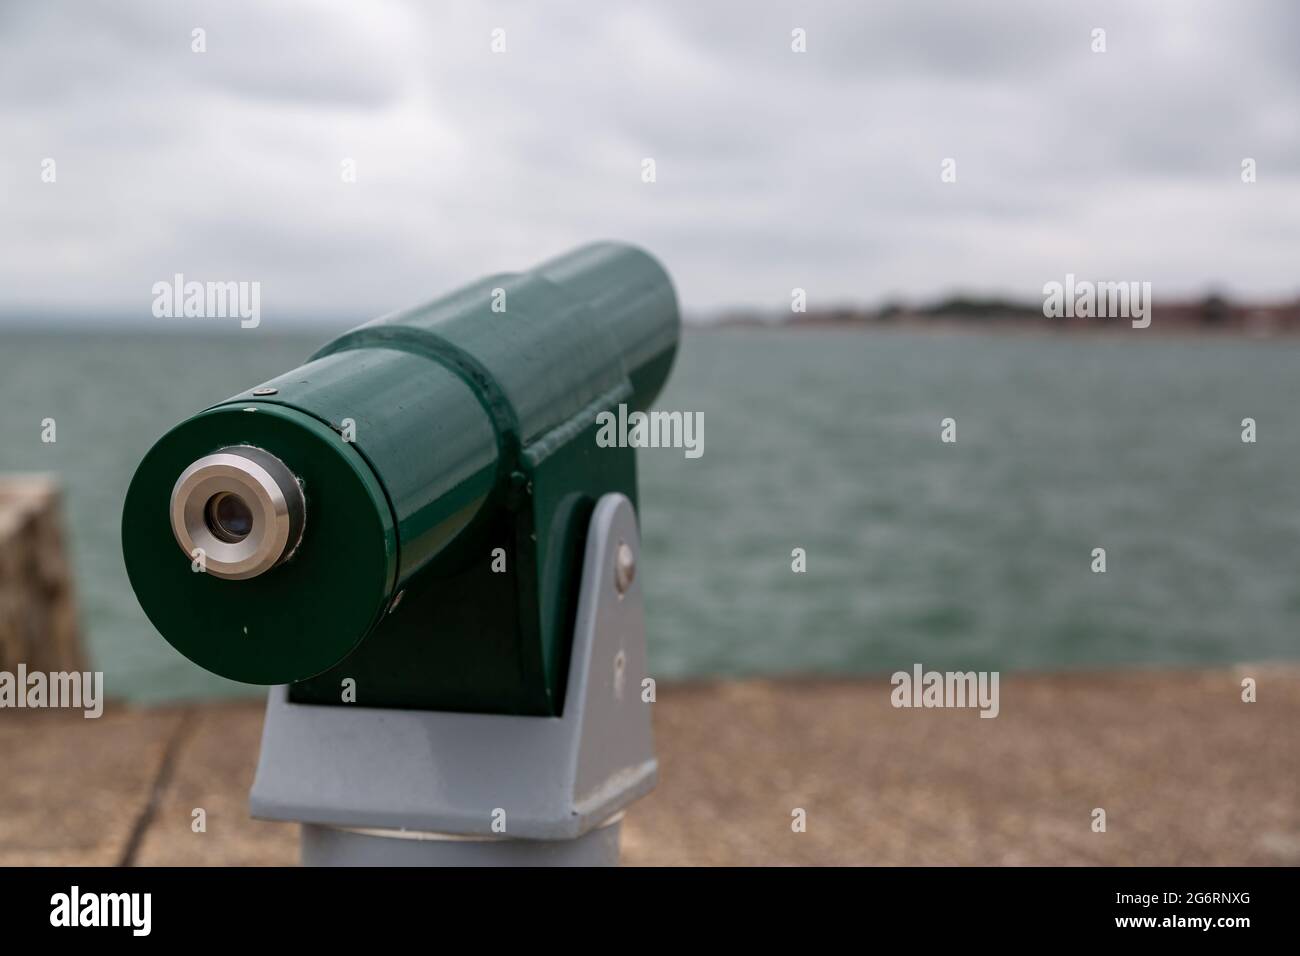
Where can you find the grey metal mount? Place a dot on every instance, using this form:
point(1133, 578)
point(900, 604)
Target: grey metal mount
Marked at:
point(375, 786)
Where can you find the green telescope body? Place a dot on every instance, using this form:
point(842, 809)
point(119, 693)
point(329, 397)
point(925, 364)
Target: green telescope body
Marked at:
point(409, 508)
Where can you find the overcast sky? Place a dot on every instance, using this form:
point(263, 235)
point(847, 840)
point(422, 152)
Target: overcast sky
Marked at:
point(775, 169)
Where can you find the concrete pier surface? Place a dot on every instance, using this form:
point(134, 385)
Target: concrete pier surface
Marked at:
point(1186, 772)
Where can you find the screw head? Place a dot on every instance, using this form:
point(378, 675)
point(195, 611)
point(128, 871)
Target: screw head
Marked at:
point(265, 390)
point(624, 567)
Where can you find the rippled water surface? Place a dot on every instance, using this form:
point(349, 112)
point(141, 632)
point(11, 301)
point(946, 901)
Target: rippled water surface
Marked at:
point(972, 554)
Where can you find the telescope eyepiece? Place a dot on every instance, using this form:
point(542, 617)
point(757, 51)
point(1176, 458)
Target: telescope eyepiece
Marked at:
point(242, 507)
point(229, 517)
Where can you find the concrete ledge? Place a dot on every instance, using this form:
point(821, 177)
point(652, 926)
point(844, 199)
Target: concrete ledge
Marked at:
point(38, 617)
point(1187, 774)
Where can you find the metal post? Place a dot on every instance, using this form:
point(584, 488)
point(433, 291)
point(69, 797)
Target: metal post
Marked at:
point(336, 846)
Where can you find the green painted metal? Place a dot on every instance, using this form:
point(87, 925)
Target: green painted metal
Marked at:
point(299, 618)
point(474, 441)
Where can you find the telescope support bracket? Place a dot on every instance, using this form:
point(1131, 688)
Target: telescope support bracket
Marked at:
point(411, 787)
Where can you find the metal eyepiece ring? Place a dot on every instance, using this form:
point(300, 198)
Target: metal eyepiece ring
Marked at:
point(243, 507)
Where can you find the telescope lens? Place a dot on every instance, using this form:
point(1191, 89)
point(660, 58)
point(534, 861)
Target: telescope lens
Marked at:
point(242, 507)
point(229, 517)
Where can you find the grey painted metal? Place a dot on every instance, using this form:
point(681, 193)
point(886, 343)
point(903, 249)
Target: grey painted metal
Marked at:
point(555, 778)
point(333, 846)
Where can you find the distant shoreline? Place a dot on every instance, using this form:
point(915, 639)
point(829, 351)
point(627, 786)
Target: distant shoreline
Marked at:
point(1212, 315)
point(1101, 328)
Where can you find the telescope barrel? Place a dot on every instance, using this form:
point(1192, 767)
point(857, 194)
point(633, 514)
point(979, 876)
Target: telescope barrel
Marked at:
point(268, 535)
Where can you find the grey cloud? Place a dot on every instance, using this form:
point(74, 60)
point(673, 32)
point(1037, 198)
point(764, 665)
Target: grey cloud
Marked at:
point(774, 170)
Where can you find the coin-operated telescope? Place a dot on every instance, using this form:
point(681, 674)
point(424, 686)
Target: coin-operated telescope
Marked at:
point(416, 537)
